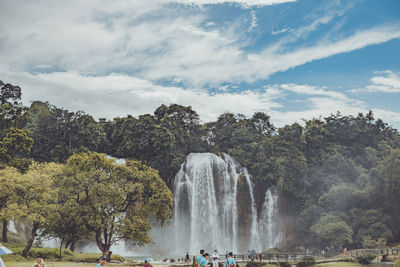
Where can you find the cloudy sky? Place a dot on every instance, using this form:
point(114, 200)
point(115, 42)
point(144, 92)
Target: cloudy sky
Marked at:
point(294, 59)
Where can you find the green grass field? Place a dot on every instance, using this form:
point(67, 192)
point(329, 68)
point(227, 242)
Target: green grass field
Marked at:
point(73, 264)
point(50, 264)
point(57, 264)
point(339, 264)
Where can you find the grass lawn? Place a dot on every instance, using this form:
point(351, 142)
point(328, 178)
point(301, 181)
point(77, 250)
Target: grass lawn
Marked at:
point(56, 264)
point(339, 264)
point(49, 264)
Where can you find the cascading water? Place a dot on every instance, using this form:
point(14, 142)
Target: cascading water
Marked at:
point(207, 207)
point(267, 226)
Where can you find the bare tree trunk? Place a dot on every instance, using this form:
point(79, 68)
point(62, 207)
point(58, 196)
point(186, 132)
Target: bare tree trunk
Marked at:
point(62, 241)
point(67, 243)
point(72, 246)
point(104, 247)
point(5, 229)
point(35, 227)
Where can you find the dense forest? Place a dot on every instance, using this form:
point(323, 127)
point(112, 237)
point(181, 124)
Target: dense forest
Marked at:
point(339, 176)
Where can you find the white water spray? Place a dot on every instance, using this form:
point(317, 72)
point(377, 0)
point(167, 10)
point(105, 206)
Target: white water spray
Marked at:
point(206, 207)
point(268, 227)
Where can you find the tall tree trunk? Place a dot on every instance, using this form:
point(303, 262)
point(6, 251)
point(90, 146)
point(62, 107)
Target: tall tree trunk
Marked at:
point(105, 248)
point(68, 243)
point(35, 227)
point(72, 246)
point(108, 255)
point(62, 241)
point(5, 229)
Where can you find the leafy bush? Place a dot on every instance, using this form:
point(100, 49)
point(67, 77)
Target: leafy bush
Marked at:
point(90, 257)
point(368, 242)
point(307, 261)
point(52, 254)
point(254, 264)
point(366, 258)
point(397, 263)
point(284, 264)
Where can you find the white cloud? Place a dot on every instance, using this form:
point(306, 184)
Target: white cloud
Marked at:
point(253, 21)
point(387, 82)
point(156, 42)
point(287, 29)
point(119, 95)
point(78, 44)
point(242, 2)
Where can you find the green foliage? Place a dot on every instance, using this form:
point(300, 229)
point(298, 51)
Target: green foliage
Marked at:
point(284, 264)
point(254, 264)
point(337, 176)
point(306, 263)
point(368, 242)
point(12, 113)
point(53, 254)
point(128, 197)
point(332, 230)
point(366, 258)
point(15, 146)
point(90, 257)
point(397, 263)
point(59, 133)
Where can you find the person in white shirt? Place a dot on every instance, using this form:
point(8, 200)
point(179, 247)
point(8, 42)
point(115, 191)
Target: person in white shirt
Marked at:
point(215, 258)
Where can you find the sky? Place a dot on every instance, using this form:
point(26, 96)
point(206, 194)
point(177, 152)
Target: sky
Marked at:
point(293, 59)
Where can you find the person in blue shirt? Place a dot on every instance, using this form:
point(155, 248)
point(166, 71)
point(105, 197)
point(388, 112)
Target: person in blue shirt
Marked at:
point(204, 260)
point(198, 258)
point(230, 261)
point(102, 261)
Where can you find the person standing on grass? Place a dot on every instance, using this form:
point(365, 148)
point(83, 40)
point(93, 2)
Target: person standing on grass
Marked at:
point(39, 262)
point(102, 261)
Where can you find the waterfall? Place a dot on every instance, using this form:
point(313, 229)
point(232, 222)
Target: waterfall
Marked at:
point(11, 227)
point(207, 208)
point(268, 227)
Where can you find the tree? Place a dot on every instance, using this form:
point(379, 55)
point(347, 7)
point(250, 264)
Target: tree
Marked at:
point(8, 178)
point(15, 148)
point(31, 197)
point(15, 145)
point(262, 123)
point(58, 133)
point(115, 201)
point(332, 231)
point(386, 178)
point(36, 197)
point(368, 242)
point(12, 113)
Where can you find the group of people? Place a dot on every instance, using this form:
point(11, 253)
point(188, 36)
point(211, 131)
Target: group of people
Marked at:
point(203, 259)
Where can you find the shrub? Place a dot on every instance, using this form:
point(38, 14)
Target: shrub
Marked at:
point(284, 264)
point(366, 258)
point(397, 263)
point(172, 260)
point(254, 264)
point(90, 257)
